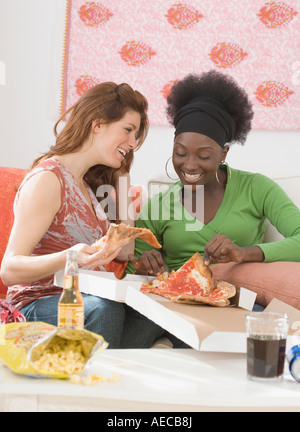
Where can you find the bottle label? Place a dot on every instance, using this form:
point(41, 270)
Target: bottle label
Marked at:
point(70, 316)
point(70, 281)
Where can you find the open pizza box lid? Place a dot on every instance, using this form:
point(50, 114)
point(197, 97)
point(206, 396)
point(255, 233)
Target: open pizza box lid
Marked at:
point(204, 328)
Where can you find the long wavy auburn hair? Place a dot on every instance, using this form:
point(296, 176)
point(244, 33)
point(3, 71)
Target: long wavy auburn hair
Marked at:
point(107, 102)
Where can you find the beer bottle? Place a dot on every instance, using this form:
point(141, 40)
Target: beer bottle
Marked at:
point(70, 305)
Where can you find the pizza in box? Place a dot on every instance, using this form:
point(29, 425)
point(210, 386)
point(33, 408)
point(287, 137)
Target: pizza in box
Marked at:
point(192, 283)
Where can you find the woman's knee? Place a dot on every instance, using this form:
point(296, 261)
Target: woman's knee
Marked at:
point(104, 309)
point(43, 309)
point(104, 317)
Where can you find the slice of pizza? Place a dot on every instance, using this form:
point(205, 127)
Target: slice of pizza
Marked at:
point(192, 284)
point(219, 296)
point(120, 235)
point(193, 279)
point(156, 283)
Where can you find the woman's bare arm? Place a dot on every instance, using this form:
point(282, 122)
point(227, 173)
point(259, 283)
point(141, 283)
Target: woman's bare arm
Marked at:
point(39, 202)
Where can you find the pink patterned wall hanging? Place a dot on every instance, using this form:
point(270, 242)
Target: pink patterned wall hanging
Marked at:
point(151, 44)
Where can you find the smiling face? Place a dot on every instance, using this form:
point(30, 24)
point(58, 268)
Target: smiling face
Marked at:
point(114, 141)
point(196, 158)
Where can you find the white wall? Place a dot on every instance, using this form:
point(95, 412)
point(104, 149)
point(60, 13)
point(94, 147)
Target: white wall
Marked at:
point(29, 34)
point(27, 29)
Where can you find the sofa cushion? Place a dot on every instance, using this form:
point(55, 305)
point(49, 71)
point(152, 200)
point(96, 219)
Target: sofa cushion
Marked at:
point(10, 180)
point(269, 280)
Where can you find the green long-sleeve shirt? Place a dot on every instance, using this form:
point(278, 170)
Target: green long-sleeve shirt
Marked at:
point(248, 201)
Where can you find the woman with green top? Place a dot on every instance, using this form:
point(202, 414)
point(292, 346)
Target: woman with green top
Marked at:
point(213, 209)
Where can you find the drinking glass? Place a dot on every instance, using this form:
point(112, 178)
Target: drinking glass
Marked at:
point(266, 345)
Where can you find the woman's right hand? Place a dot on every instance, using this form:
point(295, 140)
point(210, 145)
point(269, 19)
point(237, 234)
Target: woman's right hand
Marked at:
point(150, 262)
point(89, 256)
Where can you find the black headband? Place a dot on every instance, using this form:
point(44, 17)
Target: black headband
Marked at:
point(208, 117)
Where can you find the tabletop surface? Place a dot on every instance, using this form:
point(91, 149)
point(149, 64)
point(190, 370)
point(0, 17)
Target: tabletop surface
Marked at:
point(184, 378)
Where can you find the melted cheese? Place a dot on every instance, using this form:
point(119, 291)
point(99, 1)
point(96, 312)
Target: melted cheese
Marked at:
point(201, 280)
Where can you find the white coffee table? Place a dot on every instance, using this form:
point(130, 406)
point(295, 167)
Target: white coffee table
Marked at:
point(158, 380)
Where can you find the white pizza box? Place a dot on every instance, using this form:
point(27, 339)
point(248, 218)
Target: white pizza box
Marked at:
point(204, 328)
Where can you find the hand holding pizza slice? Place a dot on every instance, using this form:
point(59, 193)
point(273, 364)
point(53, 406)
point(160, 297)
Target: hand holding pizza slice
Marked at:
point(120, 235)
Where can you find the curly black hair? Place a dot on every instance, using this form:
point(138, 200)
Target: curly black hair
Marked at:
point(218, 86)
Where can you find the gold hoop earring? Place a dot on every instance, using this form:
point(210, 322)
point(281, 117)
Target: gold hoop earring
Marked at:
point(229, 172)
point(166, 170)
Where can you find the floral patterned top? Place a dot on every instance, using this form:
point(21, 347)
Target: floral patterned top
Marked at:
point(74, 223)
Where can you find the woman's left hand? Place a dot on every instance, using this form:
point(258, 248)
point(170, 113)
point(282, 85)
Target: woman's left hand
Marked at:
point(222, 250)
point(149, 263)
